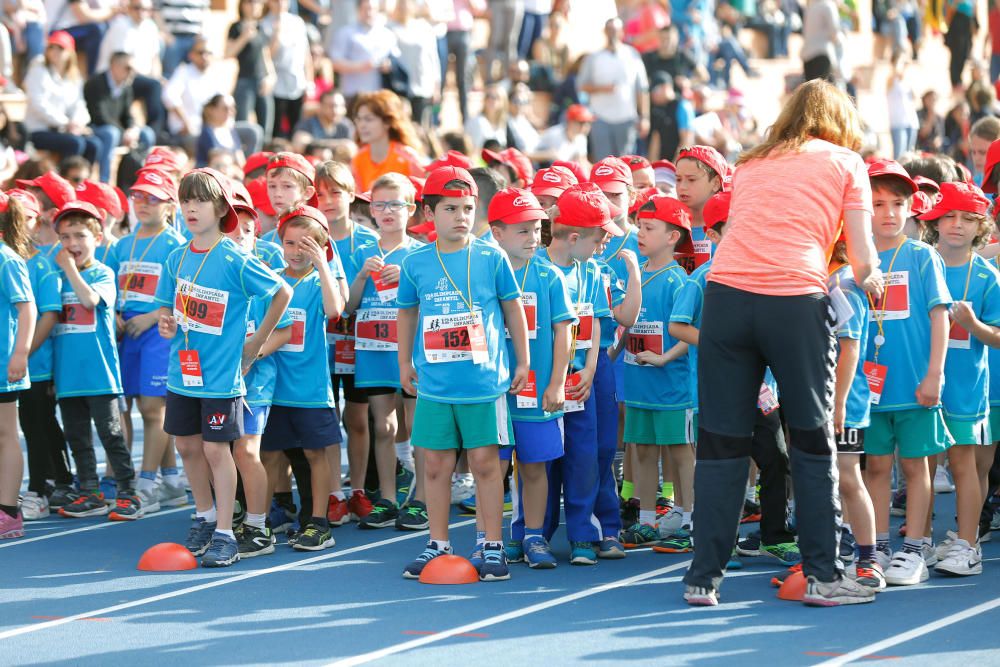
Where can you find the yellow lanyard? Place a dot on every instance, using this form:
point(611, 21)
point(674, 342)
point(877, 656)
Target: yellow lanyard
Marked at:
point(468, 274)
point(628, 232)
point(301, 278)
point(663, 270)
point(880, 338)
point(385, 253)
point(131, 254)
point(194, 281)
point(524, 278)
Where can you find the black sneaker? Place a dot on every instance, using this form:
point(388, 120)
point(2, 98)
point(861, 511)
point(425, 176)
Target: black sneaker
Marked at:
point(313, 538)
point(383, 515)
point(239, 514)
point(91, 504)
point(254, 541)
point(749, 545)
point(62, 496)
point(128, 507)
point(413, 517)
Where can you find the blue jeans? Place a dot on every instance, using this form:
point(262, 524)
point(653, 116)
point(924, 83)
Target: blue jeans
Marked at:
point(88, 41)
point(995, 67)
point(611, 139)
point(110, 138)
point(903, 140)
point(65, 144)
point(728, 51)
point(531, 30)
point(248, 97)
point(34, 40)
point(176, 53)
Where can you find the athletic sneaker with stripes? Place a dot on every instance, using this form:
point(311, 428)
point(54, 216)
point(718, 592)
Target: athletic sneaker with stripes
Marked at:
point(841, 591)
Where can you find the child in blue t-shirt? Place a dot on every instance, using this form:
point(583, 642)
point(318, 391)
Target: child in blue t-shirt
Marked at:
point(455, 297)
point(515, 220)
point(18, 313)
point(957, 225)
point(701, 171)
point(204, 294)
point(87, 379)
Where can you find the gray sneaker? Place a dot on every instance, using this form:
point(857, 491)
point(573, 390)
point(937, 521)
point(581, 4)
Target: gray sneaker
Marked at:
point(171, 496)
point(835, 593)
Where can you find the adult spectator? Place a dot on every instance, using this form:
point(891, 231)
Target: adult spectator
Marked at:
point(902, 106)
point(458, 40)
point(387, 139)
point(183, 22)
point(491, 123)
point(255, 76)
point(536, 17)
point(293, 65)
point(615, 79)
point(930, 134)
point(766, 306)
point(56, 117)
point(136, 33)
point(821, 39)
point(960, 17)
point(566, 141)
point(109, 96)
point(505, 27)
point(671, 116)
point(188, 90)
point(329, 122)
point(418, 55)
point(85, 21)
point(521, 132)
point(25, 20)
point(361, 52)
point(670, 58)
point(218, 132)
point(982, 133)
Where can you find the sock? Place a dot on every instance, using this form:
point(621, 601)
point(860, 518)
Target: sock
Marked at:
point(686, 519)
point(928, 541)
point(882, 542)
point(147, 481)
point(320, 522)
point(404, 452)
point(227, 533)
point(866, 553)
point(209, 515)
point(480, 537)
point(255, 520)
point(667, 489)
point(492, 546)
point(171, 476)
point(440, 545)
point(647, 517)
point(628, 490)
point(751, 494)
point(9, 510)
point(532, 532)
point(912, 546)
point(339, 495)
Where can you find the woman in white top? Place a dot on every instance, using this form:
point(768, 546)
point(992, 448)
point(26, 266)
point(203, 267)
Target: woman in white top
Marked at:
point(418, 53)
point(491, 123)
point(56, 116)
point(902, 103)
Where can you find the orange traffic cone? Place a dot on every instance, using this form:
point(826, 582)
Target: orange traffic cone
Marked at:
point(449, 569)
point(167, 557)
point(793, 588)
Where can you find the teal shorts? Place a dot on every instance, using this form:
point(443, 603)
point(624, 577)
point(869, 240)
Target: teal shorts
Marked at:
point(969, 433)
point(915, 433)
point(995, 421)
point(462, 426)
point(659, 427)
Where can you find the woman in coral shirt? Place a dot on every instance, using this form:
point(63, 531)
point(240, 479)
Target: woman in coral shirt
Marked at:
point(388, 141)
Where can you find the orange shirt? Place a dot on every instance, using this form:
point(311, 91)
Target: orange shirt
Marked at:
point(785, 215)
point(401, 159)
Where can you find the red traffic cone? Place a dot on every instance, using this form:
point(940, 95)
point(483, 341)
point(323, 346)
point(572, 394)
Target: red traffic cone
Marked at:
point(167, 557)
point(449, 569)
point(793, 588)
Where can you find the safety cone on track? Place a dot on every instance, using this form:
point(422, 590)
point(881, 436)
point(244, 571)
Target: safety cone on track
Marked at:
point(793, 588)
point(449, 569)
point(167, 557)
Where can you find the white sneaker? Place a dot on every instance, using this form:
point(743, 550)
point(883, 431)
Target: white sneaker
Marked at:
point(906, 569)
point(670, 522)
point(929, 554)
point(171, 496)
point(148, 500)
point(697, 596)
point(942, 483)
point(962, 560)
point(843, 590)
point(462, 488)
point(945, 545)
point(883, 559)
point(34, 506)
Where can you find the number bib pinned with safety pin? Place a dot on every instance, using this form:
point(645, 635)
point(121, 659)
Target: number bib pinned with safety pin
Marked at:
point(455, 337)
point(375, 330)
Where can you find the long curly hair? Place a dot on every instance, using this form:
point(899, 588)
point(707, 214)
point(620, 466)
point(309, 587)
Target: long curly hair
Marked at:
point(389, 108)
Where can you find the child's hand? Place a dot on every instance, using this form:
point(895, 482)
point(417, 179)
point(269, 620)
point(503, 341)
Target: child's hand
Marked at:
point(839, 412)
point(251, 352)
point(874, 284)
point(139, 324)
point(407, 378)
point(371, 265)
point(631, 262)
point(554, 397)
point(167, 326)
point(64, 260)
point(314, 252)
point(649, 358)
point(581, 392)
point(119, 326)
point(961, 312)
point(390, 274)
point(17, 368)
point(929, 390)
point(520, 379)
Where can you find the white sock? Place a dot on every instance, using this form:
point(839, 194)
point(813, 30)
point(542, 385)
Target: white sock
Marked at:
point(928, 541)
point(255, 520)
point(339, 495)
point(441, 545)
point(686, 518)
point(145, 484)
point(227, 533)
point(751, 494)
point(647, 517)
point(209, 515)
point(404, 452)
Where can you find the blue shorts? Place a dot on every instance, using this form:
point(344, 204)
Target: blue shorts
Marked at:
point(619, 368)
point(308, 428)
point(536, 442)
point(255, 419)
point(144, 362)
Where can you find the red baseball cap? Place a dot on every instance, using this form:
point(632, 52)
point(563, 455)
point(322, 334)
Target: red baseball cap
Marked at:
point(552, 181)
point(451, 159)
point(292, 161)
point(55, 187)
point(923, 181)
point(122, 199)
point(611, 175)
point(63, 39)
point(716, 209)
point(671, 211)
point(229, 220)
point(708, 156)
point(584, 205)
point(314, 215)
point(257, 161)
point(77, 207)
point(367, 195)
point(29, 202)
point(958, 197)
point(425, 228)
point(514, 159)
point(992, 160)
point(575, 167)
point(156, 183)
point(164, 158)
point(513, 205)
point(890, 168)
point(636, 162)
point(577, 113)
point(242, 201)
point(440, 177)
point(921, 203)
point(101, 195)
point(258, 195)
point(418, 186)
point(641, 199)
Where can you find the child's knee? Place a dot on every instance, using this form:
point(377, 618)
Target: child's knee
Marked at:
point(648, 453)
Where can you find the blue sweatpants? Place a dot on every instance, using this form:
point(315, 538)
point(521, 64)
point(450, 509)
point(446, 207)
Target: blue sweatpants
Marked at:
point(606, 506)
point(575, 476)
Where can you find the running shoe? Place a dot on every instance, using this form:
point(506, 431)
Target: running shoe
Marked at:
point(462, 488)
point(281, 518)
point(538, 553)
point(337, 512)
point(383, 515)
point(944, 546)
point(985, 532)
point(870, 575)
point(734, 562)
point(515, 551)
point(670, 522)
point(847, 546)
point(751, 512)
point(169, 495)
point(639, 535)
point(149, 499)
point(663, 505)
point(898, 506)
point(469, 505)
point(413, 517)
point(779, 578)
point(883, 559)
point(62, 495)
point(942, 482)
point(494, 567)
point(963, 560)
point(994, 522)
point(199, 536)
point(843, 590)
point(222, 551)
point(314, 538)
point(404, 486)
point(930, 557)
point(749, 545)
point(109, 489)
point(630, 511)
point(610, 549)
point(700, 596)
point(239, 513)
point(254, 542)
point(91, 504)
point(477, 557)
point(128, 507)
point(34, 506)
point(582, 553)
point(430, 552)
point(11, 526)
point(906, 569)
point(359, 505)
point(678, 543)
point(786, 553)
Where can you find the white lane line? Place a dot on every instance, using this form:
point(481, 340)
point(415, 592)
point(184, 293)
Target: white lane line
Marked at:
point(502, 618)
point(28, 629)
point(96, 526)
point(918, 631)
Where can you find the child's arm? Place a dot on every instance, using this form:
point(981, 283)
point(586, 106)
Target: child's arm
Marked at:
point(251, 349)
point(87, 296)
point(660, 360)
point(861, 253)
point(138, 325)
point(687, 333)
point(406, 324)
point(847, 363)
point(581, 392)
point(167, 325)
point(627, 312)
point(278, 339)
point(42, 329)
point(929, 390)
point(17, 367)
point(373, 263)
point(961, 312)
point(517, 324)
point(555, 394)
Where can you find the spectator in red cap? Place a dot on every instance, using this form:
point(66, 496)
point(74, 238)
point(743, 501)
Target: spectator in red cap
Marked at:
point(566, 140)
point(387, 139)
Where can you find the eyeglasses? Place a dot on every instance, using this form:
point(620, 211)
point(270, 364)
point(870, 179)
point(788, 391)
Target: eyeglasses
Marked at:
point(394, 205)
point(146, 198)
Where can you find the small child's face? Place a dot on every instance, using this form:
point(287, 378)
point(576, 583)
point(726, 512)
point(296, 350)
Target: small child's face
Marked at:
point(519, 241)
point(587, 243)
point(453, 217)
point(619, 199)
point(957, 229)
point(295, 254)
point(148, 209)
point(359, 218)
point(200, 216)
point(245, 233)
point(654, 237)
point(79, 241)
point(694, 187)
point(284, 190)
point(390, 210)
point(334, 202)
point(643, 179)
point(547, 201)
point(891, 211)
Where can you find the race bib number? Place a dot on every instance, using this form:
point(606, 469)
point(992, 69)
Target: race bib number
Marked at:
point(298, 340)
point(386, 291)
point(643, 337)
point(74, 318)
point(375, 330)
point(343, 356)
point(958, 336)
point(458, 337)
point(342, 327)
point(137, 281)
point(529, 300)
point(190, 368)
point(876, 379)
point(527, 398)
point(200, 309)
point(702, 252)
point(583, 331)
point(894, 303)
point(571, 405)
point(767, 402)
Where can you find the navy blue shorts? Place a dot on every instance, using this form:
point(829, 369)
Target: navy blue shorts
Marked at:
point(144, 362)
point(536, 442)
point(255, 419)
point(214, 419)
point(308, 428)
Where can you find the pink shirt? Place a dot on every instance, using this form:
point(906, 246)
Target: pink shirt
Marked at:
point(787, 211)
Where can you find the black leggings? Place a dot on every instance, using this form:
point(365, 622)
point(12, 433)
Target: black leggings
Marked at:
point(286, 116)
point(959, 43)
point(48, 457)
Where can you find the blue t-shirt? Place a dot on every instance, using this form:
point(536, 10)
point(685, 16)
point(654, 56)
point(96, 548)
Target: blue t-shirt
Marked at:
point(271, 237)
point(16, 288)
point(303, 368)
point(45, 285)
point(260, 379)
point(375, 344)
point(443, 353)
point(687, 310)
point(86, 349)
point(857, 413)
point(270, 253)
point(647, 386)
point(217, 304)
point(359, 237)
point(546, 303)
point(614, 294)
point(914, 286)
point(138, 264)
point(994, 359)
point(965, 395)
point(104, 252)
point(590, 301)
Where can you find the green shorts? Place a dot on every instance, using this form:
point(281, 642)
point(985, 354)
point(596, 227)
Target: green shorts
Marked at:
point(916, 433)
point(659, 427)
point(969, 433)
point(995, 421)
point(462, 426)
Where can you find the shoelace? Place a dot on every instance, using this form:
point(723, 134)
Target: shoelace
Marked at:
point(123, 503)
point(537, 547)
point(493, 556)
point(413, 511)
